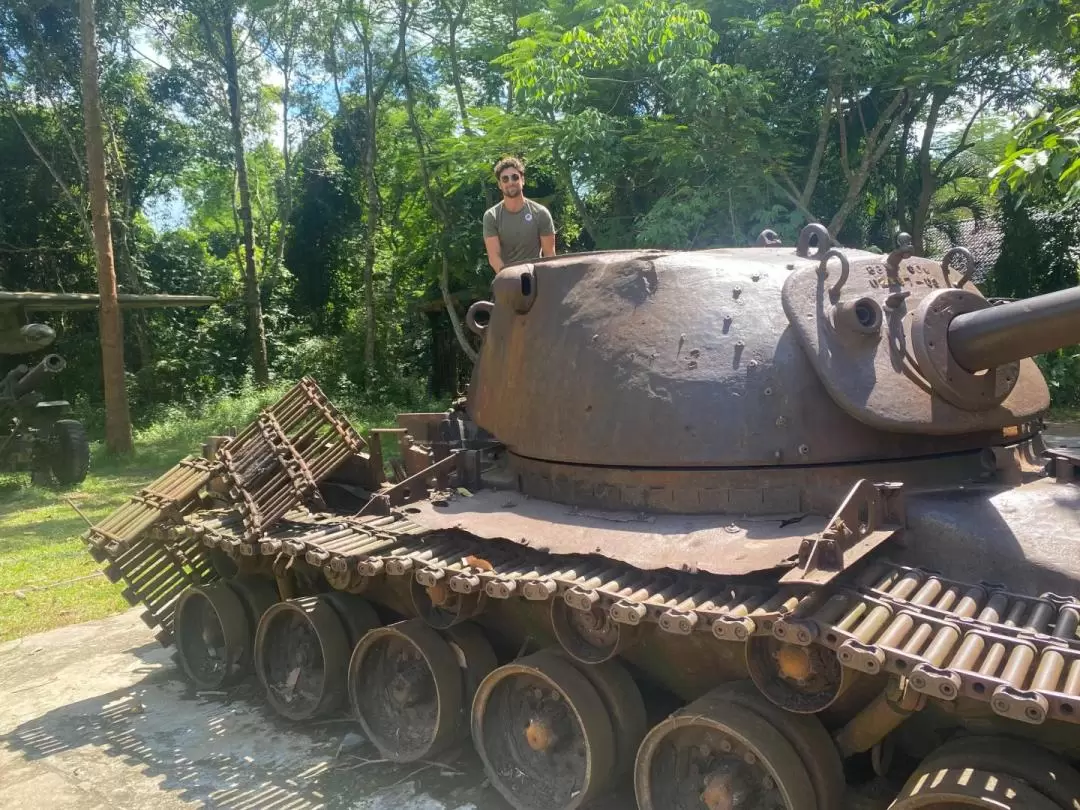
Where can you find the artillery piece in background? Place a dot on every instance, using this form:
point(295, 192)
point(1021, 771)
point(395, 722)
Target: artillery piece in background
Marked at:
point(34, 435)
point(744, 528)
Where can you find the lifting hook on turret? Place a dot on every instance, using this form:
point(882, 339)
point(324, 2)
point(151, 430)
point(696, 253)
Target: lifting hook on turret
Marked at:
point(811, 231)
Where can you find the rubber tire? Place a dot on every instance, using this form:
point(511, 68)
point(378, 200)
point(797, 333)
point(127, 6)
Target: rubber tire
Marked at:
point(805, 733)
point(69, 456)
point(1047, 772)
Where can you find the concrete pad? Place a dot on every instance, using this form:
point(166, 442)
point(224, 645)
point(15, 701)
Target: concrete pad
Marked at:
point(98, 715)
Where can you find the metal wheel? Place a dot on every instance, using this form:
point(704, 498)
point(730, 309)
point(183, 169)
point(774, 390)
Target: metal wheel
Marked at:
point(349, 581)
point(213, 636)
point(801, 679)
point(474, 655)
point(224, 565)
point(807, 736)
point(1047, 773)
point(69, 451)
point(301, 657)
point(721, 756)
point(357, 614)
point(257, 594)
point(441, 607)
point(624, 705)
point(406, 687)
point(935, 788)
point(543, 734)
point(589, 636)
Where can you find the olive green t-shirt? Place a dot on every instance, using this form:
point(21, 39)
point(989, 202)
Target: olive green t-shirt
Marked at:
point(519, 233)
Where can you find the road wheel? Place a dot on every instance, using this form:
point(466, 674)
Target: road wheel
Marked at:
point(69, 457)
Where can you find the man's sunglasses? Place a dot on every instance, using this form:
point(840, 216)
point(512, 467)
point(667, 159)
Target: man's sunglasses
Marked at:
point(510, 178)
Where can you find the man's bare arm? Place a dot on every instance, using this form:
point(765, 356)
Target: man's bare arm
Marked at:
point(494, 252)
point(547, 245)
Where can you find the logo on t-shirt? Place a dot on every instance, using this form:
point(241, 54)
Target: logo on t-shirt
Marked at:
point(528, 216)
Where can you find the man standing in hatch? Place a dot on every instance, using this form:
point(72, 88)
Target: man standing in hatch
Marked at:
point(516, 229)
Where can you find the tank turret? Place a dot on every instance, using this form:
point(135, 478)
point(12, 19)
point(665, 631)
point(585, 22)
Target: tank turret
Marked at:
point(744, 380)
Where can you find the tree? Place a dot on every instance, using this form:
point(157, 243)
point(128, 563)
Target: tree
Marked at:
point(117, 417)
point(375, 52)
point(207, 37)
point(632, 104)
point(436, 196)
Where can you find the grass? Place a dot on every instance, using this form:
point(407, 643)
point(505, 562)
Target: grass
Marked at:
point(47, 578)
point(1064, 414)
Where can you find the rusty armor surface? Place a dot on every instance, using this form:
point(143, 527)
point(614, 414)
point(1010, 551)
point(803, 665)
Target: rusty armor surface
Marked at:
point(666, 359)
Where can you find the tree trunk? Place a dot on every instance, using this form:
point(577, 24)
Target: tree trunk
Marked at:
point(117, 416)
point(128, 273)
point(824, 122)
point(455, 321)
point(434, 195)
point(514, 34)
point(877, 143)
point(455, 68)
point(256, 330)
point(927, 180)
point(900, 173)
point(563, 167)
point(286, 150)
point(371, 216)
point(373, 96)
point(285, 209)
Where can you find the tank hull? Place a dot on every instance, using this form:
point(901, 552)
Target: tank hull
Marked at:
point(826, 658)
point(770, 628)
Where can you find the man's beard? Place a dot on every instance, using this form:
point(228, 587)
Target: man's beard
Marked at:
point(513, 192)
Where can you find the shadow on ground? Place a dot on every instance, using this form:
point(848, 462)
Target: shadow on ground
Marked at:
point(230, 752)
point(157, 743)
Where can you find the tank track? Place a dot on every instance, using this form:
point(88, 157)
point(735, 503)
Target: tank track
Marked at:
point(256, 512)
point(137, 546)
point(269, 469)
point(156, 570)
point(949, 639)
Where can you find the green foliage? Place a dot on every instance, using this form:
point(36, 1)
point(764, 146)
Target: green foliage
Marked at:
point(1040, 250)
point(1062, 371)
point(1045, 152)
point(1041, 253)
point(324, 222)
point(649, 123)
point(634, 102)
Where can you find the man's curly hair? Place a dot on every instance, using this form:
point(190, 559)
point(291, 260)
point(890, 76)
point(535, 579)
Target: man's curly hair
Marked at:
point(509, 163)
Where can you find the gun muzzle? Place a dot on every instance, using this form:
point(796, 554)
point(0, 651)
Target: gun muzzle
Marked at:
point(36, 377)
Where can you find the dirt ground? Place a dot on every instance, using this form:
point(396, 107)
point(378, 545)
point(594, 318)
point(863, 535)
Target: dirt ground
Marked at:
point(97, 715)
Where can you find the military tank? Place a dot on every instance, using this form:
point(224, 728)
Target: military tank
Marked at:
point(769, 527)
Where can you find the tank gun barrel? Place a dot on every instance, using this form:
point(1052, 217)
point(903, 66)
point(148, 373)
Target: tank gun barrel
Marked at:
point(1009, 332)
